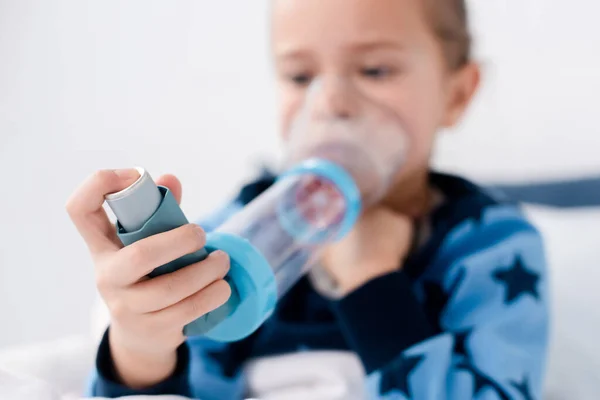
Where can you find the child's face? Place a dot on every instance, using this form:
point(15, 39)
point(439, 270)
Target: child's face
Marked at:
point(386, 48)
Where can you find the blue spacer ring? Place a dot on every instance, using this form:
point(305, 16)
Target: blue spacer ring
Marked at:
point(254, 283)
point(341, 179)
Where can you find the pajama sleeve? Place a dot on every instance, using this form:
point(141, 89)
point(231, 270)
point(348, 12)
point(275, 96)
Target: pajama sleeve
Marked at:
point(489, 339)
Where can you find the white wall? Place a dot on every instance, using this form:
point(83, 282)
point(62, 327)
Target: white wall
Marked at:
point(536, 115)
point(174, 86)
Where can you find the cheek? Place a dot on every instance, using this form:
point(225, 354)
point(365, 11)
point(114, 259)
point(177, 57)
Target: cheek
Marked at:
point(290, 101)
point(418, 102)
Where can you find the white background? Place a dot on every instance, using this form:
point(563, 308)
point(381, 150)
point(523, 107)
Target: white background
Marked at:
point(184, 87)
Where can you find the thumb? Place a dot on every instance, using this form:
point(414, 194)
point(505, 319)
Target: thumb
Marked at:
point(171, 182)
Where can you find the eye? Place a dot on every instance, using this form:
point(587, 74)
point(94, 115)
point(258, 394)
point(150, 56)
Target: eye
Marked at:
point(377, 72)
point(301, 79)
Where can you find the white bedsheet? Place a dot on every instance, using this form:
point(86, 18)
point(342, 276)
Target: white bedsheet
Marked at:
point(314, 376)
point(24, 387)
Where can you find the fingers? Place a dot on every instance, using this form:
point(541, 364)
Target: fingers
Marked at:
point(85, 207)
point(173, 184)
point(138, 259)
point(165, 290)
point(195, 306)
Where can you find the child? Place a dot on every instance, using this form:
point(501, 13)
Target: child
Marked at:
point(440, 290)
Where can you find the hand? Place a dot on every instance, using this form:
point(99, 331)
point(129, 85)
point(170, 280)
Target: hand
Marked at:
point(376, 246)
point(147, 315)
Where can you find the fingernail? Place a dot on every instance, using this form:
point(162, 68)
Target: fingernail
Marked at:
point(127, 174)
point(199, 231)
point(219, 253)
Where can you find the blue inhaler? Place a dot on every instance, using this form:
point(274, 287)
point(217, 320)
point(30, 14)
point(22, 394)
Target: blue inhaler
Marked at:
point(340, 159)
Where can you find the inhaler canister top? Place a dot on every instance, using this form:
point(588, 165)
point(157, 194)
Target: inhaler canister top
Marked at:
point(133, 206)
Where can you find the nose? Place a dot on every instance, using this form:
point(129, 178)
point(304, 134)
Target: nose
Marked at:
point(334, 98)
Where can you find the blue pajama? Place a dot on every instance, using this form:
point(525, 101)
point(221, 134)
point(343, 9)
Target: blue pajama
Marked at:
point(466, 317)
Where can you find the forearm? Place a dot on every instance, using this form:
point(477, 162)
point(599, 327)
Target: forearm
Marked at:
point(382, 319)
point(493, 316)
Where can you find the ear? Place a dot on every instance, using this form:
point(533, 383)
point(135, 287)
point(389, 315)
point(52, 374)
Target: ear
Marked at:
point(461, 90)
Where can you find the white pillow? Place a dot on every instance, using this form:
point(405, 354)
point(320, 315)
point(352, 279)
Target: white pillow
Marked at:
point(572, 240)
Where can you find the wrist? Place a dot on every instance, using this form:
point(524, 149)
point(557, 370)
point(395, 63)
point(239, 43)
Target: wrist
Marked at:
point(361, 275)
point(138, 368)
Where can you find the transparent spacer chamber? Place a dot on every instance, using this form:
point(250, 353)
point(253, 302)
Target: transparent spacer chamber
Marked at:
point(291, 222)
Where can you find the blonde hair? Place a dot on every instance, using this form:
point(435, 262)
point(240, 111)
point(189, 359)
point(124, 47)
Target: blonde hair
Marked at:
point(449, 19)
